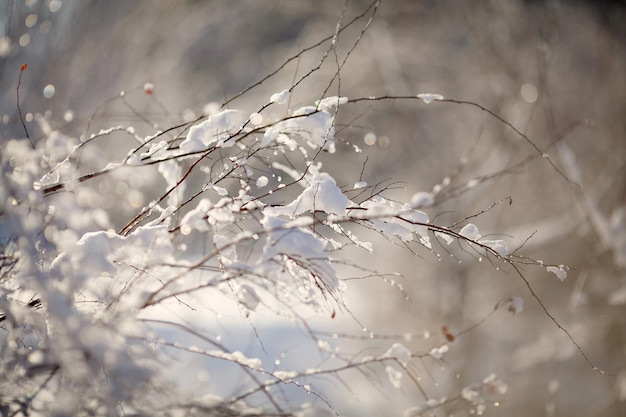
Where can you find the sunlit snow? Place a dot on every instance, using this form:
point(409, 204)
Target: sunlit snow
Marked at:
point(280, 98)
point(322, 194)
point(218, 127)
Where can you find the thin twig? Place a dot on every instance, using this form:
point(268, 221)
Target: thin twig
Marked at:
point(19, 110)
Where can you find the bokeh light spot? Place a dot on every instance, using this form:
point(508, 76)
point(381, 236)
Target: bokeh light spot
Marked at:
point(48, 91)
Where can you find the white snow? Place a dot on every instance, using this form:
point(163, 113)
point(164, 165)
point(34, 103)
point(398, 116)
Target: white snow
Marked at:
point(495, 385)
point(328, 103)
point(218, 127)
point(422, 199)
point(400, 352)
point(428, 98)
point(197, 218)
point(280, 98)
point(499, 246)
point(438, 352)
point(470, 231)
point(445, 237)
point(296, 243)
point(322, 195)
point(388, 219)
point(395, 376)
point(559, 271)
point(262, 181)
point(313, 125)
point(248, 297)
point(421, 409)
point(171, 171)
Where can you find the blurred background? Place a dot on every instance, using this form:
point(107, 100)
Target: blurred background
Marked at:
point(556, 70)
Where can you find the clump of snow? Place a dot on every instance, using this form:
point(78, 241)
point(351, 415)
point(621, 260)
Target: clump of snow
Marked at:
point(438, 352)
point(559, 271)
point(422, 199)
point(428, 98)
point(314, 125)
point(471, 394)
point(403, 222)
point(197, 218)
point(323, 345)
point(322, 195)
point(285, 376)
point(328, 103)
point(470, 231)
point(262, 181)
point(171, 172)
point(400, 352)
point(421, 409)
point(499, 246)
point(337, 228)
point(218, 127)
point(248, 297)
point(237, 357)
point(297, 243)
point(219, 190)
point(445, 237)
point(280, 98)
point(494, 385)
point(395, 376)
